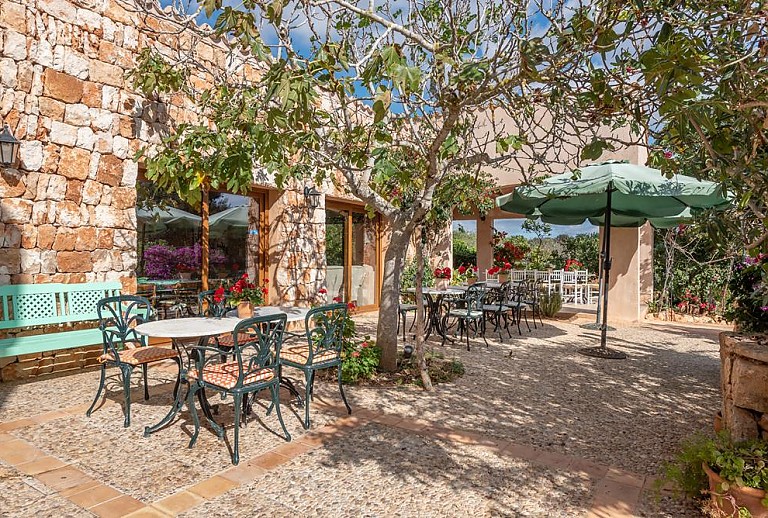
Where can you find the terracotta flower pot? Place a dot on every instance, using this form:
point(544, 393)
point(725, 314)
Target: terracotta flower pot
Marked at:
point(442, 284)
point(503, 277)
point(747, 497)
point(244, 310)
point(471, 280)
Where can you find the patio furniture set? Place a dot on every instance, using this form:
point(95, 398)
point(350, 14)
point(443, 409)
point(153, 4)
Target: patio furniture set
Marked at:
point(575, 286)
point(219, 352)
point(465, 309)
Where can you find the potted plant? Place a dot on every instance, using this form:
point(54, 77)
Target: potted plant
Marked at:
point(733, 474)
point(246, 295)
point(465, 275)
point(572, 265)
point(502, 270)
point(442, 278)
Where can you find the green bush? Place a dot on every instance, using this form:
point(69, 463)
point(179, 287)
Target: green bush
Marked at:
point(748, 304)
point(463, 254)
point(359, 360)
point(408, 277)
point(550, 304)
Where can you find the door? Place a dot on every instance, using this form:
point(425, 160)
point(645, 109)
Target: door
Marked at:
point(352, 256)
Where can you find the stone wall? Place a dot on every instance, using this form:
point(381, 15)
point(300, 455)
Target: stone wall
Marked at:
point(744, 385)
point(67, 208)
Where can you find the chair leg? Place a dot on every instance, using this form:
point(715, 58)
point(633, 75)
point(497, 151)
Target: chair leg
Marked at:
point(178, 378)
point(126, 371)
point(236, 447)
point(525, 316)
point(343, 395)
point(146, 385)
point(98, 392)
point(307, 395)
point(519, 317)
point(193, 410)
point(275, 390)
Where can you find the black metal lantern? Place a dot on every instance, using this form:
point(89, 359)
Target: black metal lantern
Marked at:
point(312, 197)
point(9, 147)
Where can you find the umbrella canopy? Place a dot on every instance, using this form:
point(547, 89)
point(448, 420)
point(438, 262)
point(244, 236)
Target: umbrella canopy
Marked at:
point(627, 193)
point(158, 219)
point(617, 220)
point(235, 217)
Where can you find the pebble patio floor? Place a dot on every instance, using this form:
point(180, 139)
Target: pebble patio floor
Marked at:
point(532, 429)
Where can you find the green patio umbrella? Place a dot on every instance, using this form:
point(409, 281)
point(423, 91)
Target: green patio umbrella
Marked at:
point(619, 191)
point(234, 217)
point(158, 219)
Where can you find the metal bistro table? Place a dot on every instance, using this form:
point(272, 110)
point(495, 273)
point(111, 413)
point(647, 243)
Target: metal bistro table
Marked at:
point(435, 299)
point(184, 332)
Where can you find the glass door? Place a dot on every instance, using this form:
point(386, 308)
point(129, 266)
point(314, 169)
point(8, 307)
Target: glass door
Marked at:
point(352, 251)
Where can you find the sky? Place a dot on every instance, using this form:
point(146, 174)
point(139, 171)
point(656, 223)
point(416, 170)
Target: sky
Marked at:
point(513, 228)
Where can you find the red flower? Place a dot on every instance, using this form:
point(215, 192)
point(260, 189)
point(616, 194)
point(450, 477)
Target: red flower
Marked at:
point(364, 344)
point(494, 270)
point(245, 276)
point(322, 291)
point(462, 269)
point(351, 305)
point(355, 354)
point(507, 266)
point(265, 290)
point(668, 154)
point(266, 281)
point(337, 299)
point(218, 295)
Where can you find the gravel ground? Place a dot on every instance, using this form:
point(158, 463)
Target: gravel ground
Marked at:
point(534, 390)
point(396, 473)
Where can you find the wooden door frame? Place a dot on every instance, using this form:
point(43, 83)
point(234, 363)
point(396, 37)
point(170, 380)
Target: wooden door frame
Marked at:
point(348, 208)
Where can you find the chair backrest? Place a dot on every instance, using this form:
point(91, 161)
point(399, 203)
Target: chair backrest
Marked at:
point(569, 277)
point(555, 276)
point(208, 306)
point(261, 348)
point(582, 276)
point(531, 290)
point(475, 296)
point(498, 296)
point(118, 317)
point(325, 327)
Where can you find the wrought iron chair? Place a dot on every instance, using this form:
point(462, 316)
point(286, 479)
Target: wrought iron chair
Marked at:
point(404, 308)
point(468, 313)
point(256, 348)
point(124, 348)
point(516, 303)
point(531, 299)
point(325, 337)
point(496, 308)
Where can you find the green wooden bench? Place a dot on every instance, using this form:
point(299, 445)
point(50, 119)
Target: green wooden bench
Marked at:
point(26, 305)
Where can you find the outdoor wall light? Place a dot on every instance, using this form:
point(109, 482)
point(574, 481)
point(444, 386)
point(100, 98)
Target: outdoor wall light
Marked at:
point(9, 147)
point(312, 197)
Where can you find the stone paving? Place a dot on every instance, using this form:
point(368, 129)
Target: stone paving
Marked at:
point(532, 429)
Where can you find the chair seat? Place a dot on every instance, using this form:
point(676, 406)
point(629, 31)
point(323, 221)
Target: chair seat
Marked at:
point(228, 339)
point(140, 355)
point(495, 307)
point(407, 307)
point(225, 375)
point(299, 354)
point(515, 306)
point(463, 313)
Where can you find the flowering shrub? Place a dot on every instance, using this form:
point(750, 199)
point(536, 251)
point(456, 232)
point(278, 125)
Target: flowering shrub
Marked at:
point(359, 359)
point(692, 304)
point(442, 273)
point(159, 262)
point(503, 269)
point(245, 291)
point(571, 265)
point(505, 252)
point(749, 294)
point(463, 273)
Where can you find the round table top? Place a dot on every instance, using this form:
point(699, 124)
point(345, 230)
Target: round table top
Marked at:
point(194, 327)
point(294, 314)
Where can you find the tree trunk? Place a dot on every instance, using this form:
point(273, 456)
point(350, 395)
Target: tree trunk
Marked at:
point(422, 361)
point(204, 231)
point(394, 261)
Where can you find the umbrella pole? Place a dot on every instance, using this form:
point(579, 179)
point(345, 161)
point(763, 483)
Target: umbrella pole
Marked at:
point(602, 287)
point(603, 351)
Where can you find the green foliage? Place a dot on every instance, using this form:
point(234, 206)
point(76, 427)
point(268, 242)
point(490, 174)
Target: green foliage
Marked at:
point(408, 277)
point(738, 463)
point(359, 360)
point(463, 254)
point(584, 248)
point(550, 303)
point(749, 294)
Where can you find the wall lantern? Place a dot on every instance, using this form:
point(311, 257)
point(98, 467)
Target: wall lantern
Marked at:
point(9, 147)
point(312, 197)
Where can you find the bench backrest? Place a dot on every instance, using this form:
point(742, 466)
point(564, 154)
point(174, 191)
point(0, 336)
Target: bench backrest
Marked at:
point(24, 305)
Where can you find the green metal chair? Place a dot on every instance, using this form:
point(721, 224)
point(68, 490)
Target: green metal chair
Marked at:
point(467, 313)
point(124, 348)
point(325, 337)
point(257, 344)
